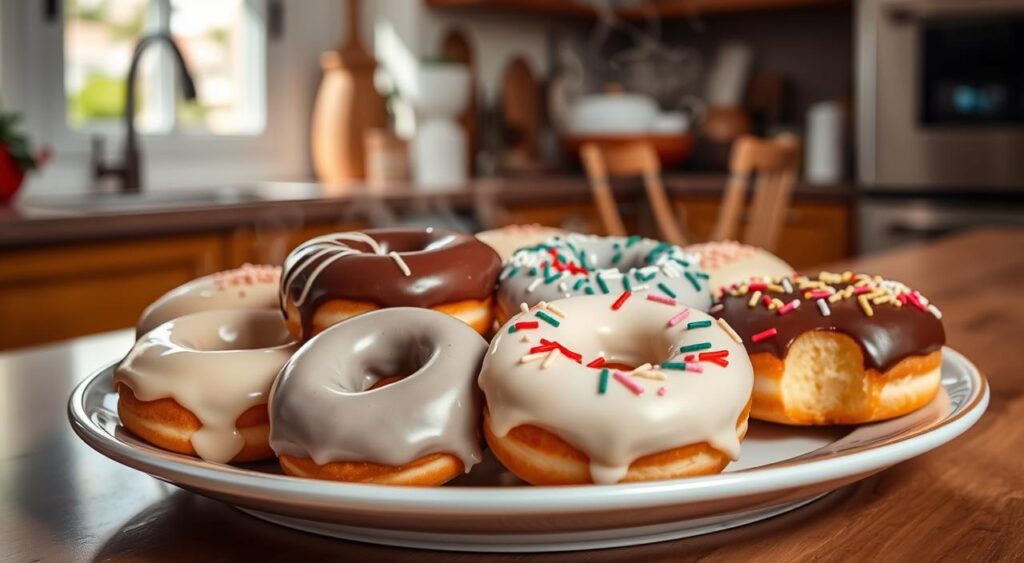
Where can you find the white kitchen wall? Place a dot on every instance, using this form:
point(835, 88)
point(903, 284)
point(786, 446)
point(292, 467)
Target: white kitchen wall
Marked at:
point(495, 36)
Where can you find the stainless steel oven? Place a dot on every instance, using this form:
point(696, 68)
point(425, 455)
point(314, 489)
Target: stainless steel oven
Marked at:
point(941, 95)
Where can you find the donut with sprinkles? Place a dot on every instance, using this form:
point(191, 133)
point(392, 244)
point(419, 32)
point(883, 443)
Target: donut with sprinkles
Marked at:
point(576, 264)
point(628, 386)
point(836, 348)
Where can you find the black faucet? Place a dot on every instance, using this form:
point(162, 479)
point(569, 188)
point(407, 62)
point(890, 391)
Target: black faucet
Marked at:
point(129, 171)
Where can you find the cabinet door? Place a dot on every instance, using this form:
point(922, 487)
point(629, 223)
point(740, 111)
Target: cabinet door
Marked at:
point(52, 293)
point(577, 217)
point(814, 233)
point(271, 245)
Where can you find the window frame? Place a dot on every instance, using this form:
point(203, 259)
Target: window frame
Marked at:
point(32, 80)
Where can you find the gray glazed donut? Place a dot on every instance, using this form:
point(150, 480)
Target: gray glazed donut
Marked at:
point(322, 407)
point(590, 265)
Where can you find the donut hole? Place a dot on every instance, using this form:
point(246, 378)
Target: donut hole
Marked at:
point(628, 347)
point(416, 241)
point(229, 330)
point(407, 357)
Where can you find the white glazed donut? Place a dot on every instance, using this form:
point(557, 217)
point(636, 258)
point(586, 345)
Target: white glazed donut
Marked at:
point(199, 384)
point(507, 240)
point(729, 262)
point(590, 265)
point(248, 287)
point(610, 388)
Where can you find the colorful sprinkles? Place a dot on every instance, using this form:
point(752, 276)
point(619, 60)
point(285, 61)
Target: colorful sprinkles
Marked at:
point(764, 335)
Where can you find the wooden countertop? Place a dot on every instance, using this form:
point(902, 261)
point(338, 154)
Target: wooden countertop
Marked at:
point(47, 220)
point(61, 501)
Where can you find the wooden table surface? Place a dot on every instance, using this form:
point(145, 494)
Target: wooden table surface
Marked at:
point(60, 501)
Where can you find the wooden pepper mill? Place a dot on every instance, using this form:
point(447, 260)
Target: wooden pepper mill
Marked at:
point(347, 105)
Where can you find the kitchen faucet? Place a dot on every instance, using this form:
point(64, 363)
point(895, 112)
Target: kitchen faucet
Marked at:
point(129, 171)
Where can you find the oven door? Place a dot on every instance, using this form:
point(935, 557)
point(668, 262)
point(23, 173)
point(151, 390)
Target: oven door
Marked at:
point(888, 221)
point(943, 90)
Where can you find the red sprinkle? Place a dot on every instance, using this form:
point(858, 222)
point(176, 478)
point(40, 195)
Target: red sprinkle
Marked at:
point(527, 324)
point(622, 299)
point(758, 286)
point(689, 358)
point(596, 362)
point(861, 289)
point(764, 335)
point(767, 300)
point(549, 345)
point(713, 354)
point(716, 357)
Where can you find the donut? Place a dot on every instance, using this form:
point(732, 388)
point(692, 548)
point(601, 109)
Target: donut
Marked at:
point(507, 240)
point(333, 277)
point(836, 348)
point(729, 262)
point(388, 397)
point(198, 384)
point(575, 264)
point(595, 389)
point(248, 287)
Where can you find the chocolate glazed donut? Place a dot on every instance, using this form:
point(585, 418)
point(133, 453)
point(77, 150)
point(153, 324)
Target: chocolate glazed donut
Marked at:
point(426, 268)
point(331, 418)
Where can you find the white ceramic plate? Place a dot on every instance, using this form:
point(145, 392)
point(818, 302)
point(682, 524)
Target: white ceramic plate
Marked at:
point(781, 468)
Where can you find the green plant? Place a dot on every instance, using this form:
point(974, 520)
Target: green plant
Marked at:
point(16, 142)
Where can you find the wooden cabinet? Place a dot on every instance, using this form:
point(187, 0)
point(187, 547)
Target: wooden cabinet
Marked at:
point(52, 293)
point(55, 292)
point(577, 217)
point(271, 246)
point(814, 233)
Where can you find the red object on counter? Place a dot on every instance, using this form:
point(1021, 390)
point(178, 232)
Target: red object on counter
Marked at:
point(11, 176)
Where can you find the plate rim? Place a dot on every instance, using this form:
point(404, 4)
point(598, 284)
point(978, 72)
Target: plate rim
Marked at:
point(780, 476)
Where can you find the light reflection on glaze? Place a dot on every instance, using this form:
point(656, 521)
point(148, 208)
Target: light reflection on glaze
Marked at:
point(216, 364)
point(320, 410)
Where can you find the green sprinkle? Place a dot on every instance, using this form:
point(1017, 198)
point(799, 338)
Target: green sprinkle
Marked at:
point(588, 290)
point(579, 283)
point(681, 262)
point(694, 347)
point(668, 291)
point(625, 284)
point(512, 328)
point(698, 324)
point(533, 271)
point(553, 278)
point(583, 260)
point(703, 276)
point(602, 285)
point(693, 280)
point(650, 276)
point(602, 386)
point(633, 240)
point(674, 365)
point(656, 251)
point(547, 270)
point(555, 322)
point(616, 258)
point(638, 276)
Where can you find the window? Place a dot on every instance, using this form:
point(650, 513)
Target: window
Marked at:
point(222, 42)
